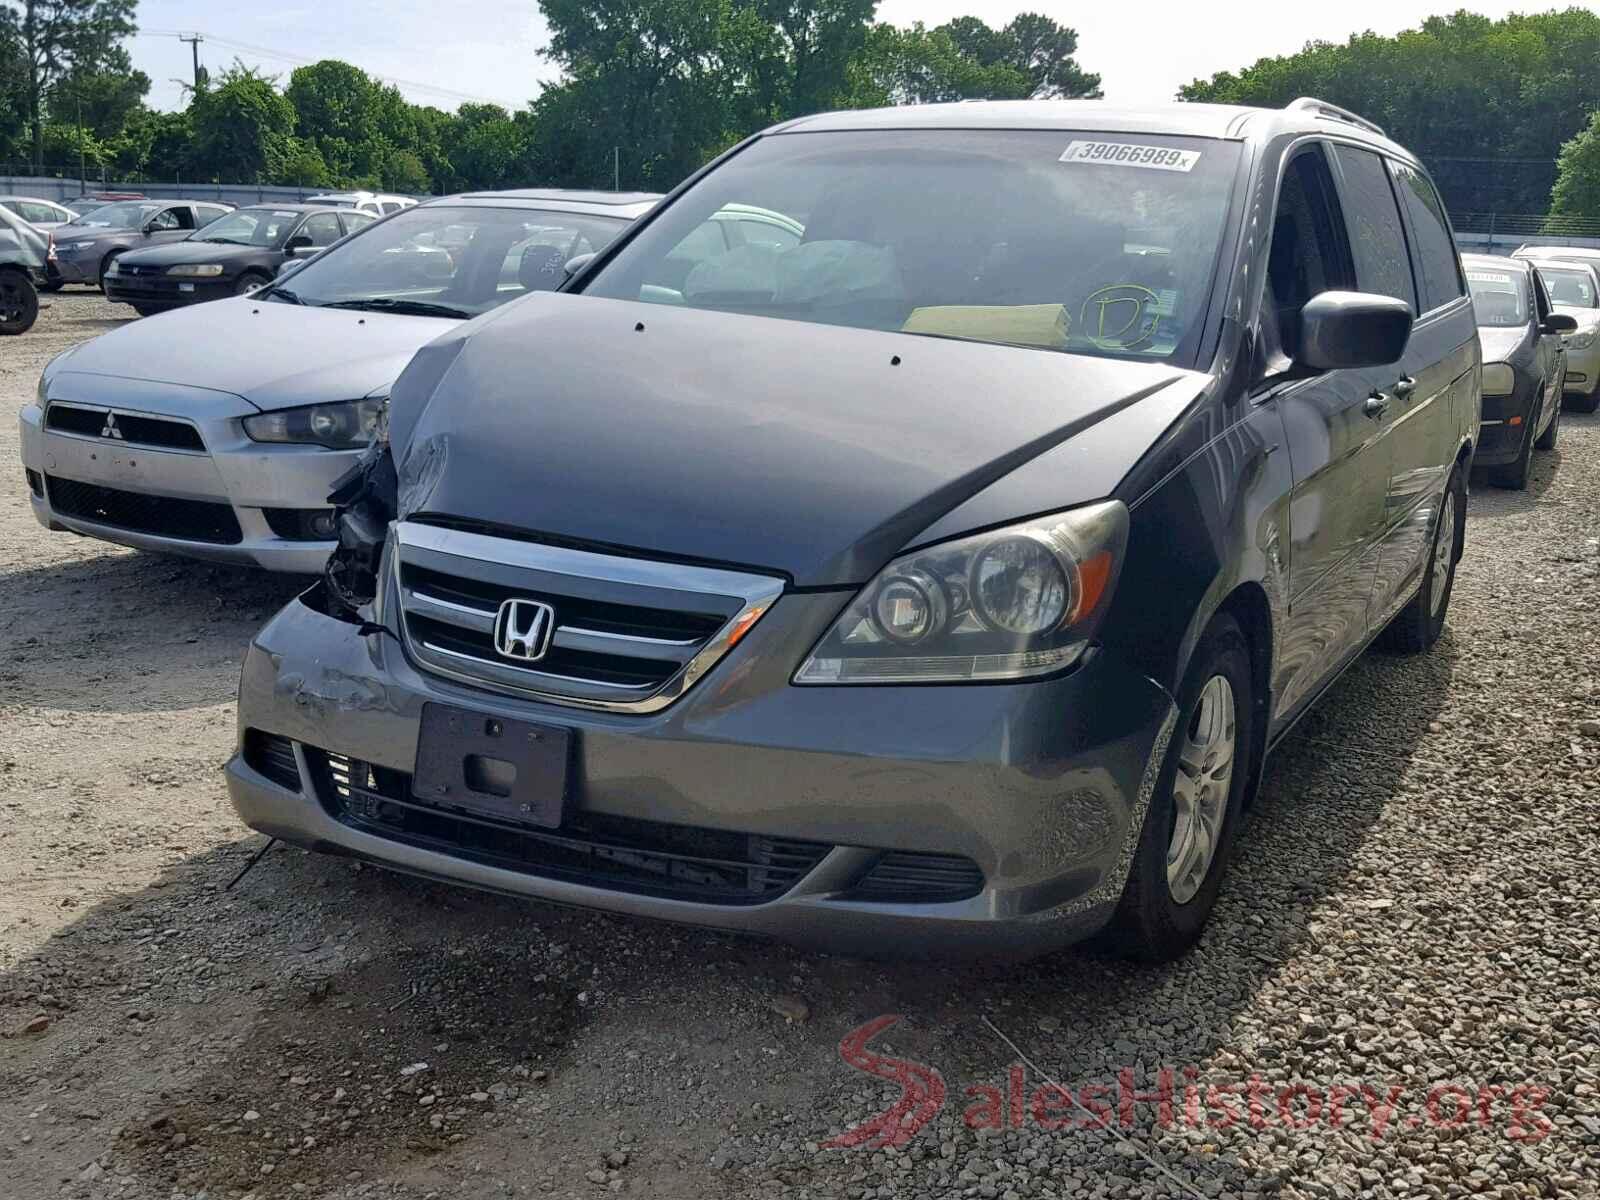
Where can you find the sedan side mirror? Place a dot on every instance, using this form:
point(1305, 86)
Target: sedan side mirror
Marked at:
point(577, 263)
point(1353, 329)
point(1560, 323)
point(299, 244)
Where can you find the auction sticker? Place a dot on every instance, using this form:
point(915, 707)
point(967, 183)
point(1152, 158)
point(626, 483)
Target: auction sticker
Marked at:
point(1125, 154)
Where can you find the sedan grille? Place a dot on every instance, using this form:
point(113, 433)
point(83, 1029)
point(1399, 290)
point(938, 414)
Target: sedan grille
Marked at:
point(163, 516)
point(132, 428)
point(681, 862)
point(625, 634)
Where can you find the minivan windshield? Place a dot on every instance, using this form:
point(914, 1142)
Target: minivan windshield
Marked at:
point(442, 260)
point(1102, 244)
point(1573, 289)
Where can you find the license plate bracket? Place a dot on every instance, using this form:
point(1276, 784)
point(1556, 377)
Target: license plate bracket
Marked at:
point(492, 766)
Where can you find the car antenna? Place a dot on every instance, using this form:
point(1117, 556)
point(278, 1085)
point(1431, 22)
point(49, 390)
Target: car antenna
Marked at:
point(254, 859)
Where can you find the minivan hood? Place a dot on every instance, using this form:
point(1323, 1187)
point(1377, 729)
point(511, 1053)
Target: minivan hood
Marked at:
point(819, 451)
point(275, 355)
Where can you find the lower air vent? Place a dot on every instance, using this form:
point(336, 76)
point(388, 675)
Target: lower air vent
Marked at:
point(904, 877)
point(680, 862)
point(272, 756)
point(163, 516)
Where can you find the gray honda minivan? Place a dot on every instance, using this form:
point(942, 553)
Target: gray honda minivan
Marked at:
point(928, 561)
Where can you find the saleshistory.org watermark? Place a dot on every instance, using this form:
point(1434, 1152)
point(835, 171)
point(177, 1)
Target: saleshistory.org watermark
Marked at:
point(1181, 1097)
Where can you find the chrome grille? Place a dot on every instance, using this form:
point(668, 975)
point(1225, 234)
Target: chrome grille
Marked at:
point(630, 634)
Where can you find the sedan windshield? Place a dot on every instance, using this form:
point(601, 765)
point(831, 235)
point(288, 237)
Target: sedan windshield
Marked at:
point(1574, 289)
point(129, 214)
point(1091, 243)
point(249, 227)
point(449, 261)
point(1499, 298)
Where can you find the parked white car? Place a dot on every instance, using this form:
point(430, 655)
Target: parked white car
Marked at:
point(43, 215)
point(379, 204)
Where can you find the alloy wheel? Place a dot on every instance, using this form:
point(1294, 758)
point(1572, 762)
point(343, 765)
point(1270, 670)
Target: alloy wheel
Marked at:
point(1200, 789)
point(1444, 548)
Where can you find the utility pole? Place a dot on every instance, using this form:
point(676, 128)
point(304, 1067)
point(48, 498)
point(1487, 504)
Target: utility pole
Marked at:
point(194, 40)
point(616, 168)
point(82, 180)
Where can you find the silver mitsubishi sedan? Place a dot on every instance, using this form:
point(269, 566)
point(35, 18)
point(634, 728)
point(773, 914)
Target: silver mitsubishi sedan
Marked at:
point(216, 431)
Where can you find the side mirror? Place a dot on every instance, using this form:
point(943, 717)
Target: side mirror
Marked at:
point(577, 263)
point(1353, 329)
point(148, 228)
point(1560, 323)
point(299, 245)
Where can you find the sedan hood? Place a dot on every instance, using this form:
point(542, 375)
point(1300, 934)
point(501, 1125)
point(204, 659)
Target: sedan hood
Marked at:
point(1501, 343)
point(814, 450)
point(275, 355)
point(188, 251)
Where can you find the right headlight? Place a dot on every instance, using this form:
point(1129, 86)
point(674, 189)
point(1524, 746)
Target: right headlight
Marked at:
point(1581, 340)
point(1008, 604)
point(1498, 379)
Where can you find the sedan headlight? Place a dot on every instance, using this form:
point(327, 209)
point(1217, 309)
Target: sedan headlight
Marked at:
point(196, 270)
point(1498, 380)
point(345, 426)
point(1581, 340)
point(1008, 604)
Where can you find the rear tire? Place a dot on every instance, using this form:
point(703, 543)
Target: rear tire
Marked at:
point(1417, 626)
point(1171, 888)
point(19, 303)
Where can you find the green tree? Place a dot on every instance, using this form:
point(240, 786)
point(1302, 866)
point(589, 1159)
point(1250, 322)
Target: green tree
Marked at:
point(918, 65)
point(242, 127)
point(105, 100)
point(59, 37)
point(1577, 190)
point(301, 165)
point(1465, 93)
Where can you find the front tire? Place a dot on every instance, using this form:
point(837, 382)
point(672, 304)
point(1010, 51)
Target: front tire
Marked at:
point(1547, 439)
point(19, 303)
point(1194, 811)
point(249, 282)
point(1418, 625)
point(1514, 474)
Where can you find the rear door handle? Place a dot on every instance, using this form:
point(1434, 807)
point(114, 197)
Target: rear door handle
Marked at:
point(1404, 386)
point(1377, 404)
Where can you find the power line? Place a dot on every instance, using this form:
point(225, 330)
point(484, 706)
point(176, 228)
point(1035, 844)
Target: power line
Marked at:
point(301, 60)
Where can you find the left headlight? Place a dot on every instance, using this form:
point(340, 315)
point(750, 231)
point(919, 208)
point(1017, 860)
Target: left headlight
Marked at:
point(1009, 604)
point(345, 426)
point(196, 270)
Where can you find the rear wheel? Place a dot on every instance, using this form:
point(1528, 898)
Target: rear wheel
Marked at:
point(1194, 811)
point(1418, 625)
point(19, 302)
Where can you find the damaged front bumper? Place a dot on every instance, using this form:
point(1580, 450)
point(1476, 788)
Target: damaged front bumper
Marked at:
point(995, 819)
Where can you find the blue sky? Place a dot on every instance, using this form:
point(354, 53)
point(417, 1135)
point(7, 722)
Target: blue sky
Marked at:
point(443, 53)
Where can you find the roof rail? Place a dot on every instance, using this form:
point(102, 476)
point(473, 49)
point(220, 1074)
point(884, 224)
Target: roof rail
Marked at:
point(1333, 112)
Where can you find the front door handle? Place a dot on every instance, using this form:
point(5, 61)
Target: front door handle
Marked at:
point(1377, 404)
point(1404, 386)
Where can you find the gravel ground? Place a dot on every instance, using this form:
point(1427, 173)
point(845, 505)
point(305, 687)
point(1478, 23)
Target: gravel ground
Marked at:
point(1397, 995)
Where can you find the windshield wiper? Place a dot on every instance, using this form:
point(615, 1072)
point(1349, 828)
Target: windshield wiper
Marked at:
point(414, 308)
point(275, 290)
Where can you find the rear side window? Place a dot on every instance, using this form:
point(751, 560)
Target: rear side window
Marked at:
point(1372, 217)
point(1438, 268)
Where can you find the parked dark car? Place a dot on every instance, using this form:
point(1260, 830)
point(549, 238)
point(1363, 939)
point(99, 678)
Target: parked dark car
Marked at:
point(939, 576)
point(1524, 365)
point(22, 258)
point(82, 250)
point(233, 255)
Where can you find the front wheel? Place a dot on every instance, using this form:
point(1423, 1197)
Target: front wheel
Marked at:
point(1547, 439)
point(1418, 625)
point(105, 266)
point(19, 303)
point(248, 282)
point(1194, 811)
point(1514, 474)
